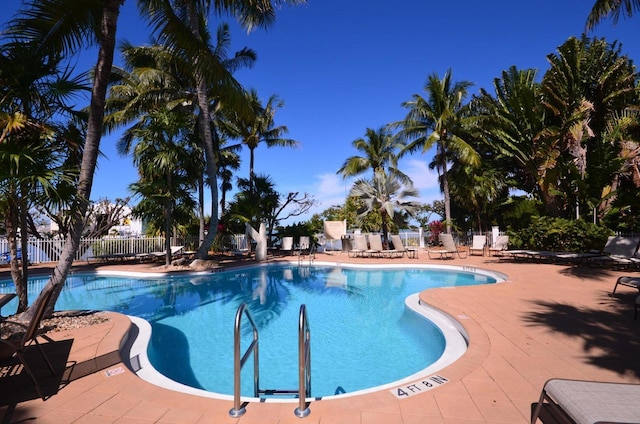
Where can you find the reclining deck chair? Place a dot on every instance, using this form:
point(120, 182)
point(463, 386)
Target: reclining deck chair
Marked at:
point(448, 248)
point(626, 280)
point(590, 402)
point(287, 245)
point(376, 247)
point(478, 244)
point(619, 252)
point(360, 246)
point(11, 350)
point(501, 244)
point(400, 249)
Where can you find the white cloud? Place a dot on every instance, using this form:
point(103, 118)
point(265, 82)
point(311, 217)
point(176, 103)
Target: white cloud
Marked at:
point(424, 180)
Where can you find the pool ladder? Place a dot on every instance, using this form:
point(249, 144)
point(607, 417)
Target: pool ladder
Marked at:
point(304, 365)
point(311, 252)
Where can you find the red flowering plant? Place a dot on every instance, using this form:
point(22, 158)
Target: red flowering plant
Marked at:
point(435, 228)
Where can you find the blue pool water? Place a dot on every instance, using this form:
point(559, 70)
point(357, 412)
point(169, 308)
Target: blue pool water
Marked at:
point(362, 335)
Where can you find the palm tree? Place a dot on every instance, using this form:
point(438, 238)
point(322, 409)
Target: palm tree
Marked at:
point(61, 27)
point(513, 124)
point(588, 84)
point(439, 120)
point(37, 157)
point(156, 75)
point(386, 195)
point(65, 26)
point(611, 8)
point(260, 127)
point(179, 26)
point(380, 153)
point(164, 160)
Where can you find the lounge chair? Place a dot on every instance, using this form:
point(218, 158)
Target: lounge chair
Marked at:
point(10, 350)
point(160, 255)
point(375, 245)
point(400, 249)
point(448, 249)
point(359, 247)
point(625, 280)
point(590, 402)
point(478, 244)
point(287, 245)
point(304, 245)
point(501, 244)
point(618, 252)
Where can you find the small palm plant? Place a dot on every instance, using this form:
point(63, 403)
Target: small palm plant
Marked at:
point(386, 195)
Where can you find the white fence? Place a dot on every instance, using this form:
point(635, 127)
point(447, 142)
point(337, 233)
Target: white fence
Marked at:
point(48, 250)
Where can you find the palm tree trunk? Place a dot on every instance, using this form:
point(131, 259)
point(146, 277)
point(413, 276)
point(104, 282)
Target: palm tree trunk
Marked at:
point(201, 208)
point(107, 43)
point(207, 138)
point(445, 189)
point(251, 172)
point(11, 224)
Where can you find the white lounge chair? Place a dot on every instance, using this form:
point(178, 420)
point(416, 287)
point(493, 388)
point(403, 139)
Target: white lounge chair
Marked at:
point(501, 244)
point(478, 244)
point(287, 245)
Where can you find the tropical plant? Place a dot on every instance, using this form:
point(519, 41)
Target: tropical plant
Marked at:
point(65, 26)
point(259, 202)
point(260, 127)
point(386, 195)
point(611, 8)
point(164, 158)
point(379, 153)
point(439, 120)
point(588, 85)
point(38, 154)
point(159, 76)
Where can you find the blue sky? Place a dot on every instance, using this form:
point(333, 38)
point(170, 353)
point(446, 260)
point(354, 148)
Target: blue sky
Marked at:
point(342, 66)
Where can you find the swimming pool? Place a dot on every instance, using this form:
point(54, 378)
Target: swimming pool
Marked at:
point(362, 336)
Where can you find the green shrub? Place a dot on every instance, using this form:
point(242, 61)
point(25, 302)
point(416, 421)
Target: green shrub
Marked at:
point(559, 235)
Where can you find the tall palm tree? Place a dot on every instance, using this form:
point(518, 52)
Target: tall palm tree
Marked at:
point(61, 27)
point(65, 26)
point(156, 75)
point(439, 120)
point(179, 26)
point(260, 128)
point(379, 153)
point(611, 8)
point(386, 195)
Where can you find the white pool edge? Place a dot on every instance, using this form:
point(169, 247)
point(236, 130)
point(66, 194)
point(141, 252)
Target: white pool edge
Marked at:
point(456, 339)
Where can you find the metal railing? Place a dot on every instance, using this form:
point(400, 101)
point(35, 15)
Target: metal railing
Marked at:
point(239, 359)
point(239, 408)
point(304, 364)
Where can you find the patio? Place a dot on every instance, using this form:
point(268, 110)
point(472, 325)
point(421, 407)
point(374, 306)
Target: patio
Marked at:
point(546, 321)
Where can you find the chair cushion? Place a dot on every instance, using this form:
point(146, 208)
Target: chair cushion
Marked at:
point(588, 402)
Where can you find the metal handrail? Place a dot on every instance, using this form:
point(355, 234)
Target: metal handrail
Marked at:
point(240, 408)
point(304, 364)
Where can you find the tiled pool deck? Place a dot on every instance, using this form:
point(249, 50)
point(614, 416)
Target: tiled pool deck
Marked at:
point(546, 321)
